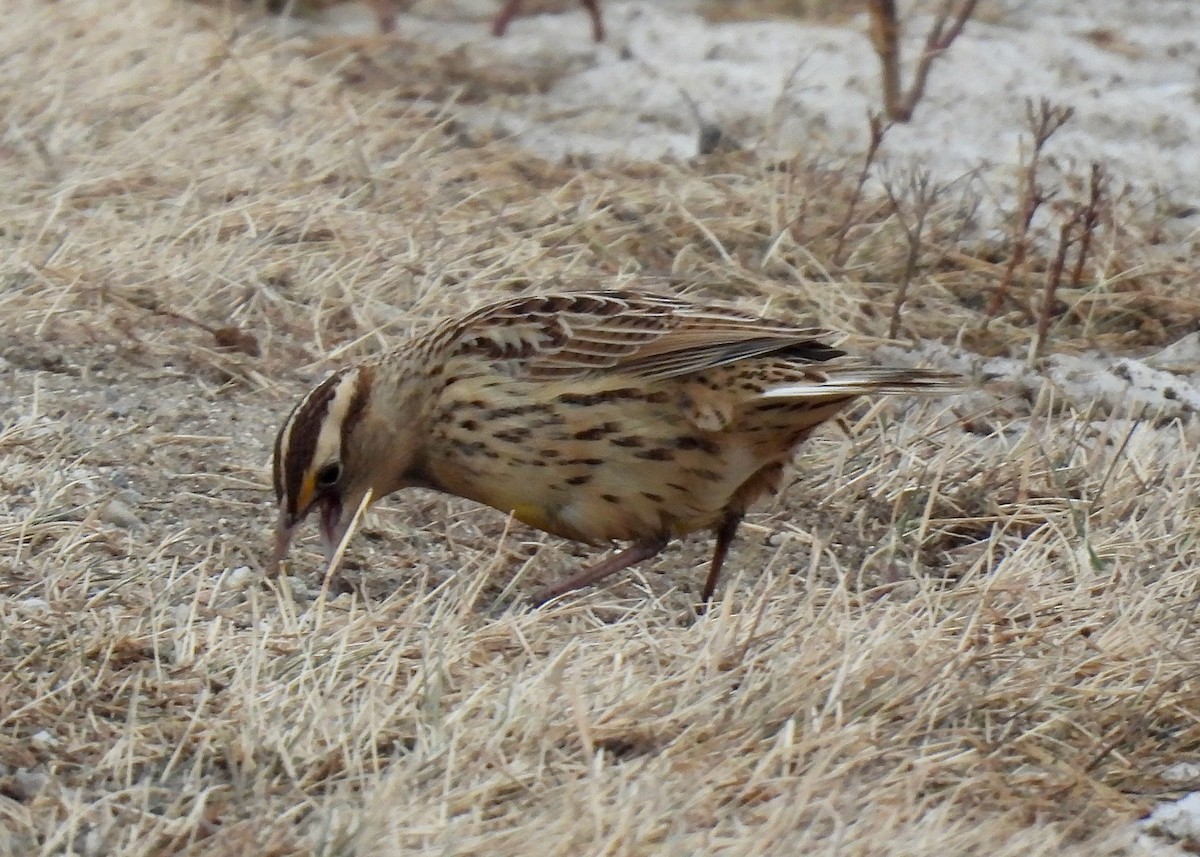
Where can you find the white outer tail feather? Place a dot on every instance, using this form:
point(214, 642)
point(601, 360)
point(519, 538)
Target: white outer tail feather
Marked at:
point(864, 381)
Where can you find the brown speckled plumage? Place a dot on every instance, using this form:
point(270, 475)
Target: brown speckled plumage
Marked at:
point(598, 417)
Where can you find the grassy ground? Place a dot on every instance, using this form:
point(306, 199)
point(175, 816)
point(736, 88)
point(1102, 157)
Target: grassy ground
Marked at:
point(965, 627)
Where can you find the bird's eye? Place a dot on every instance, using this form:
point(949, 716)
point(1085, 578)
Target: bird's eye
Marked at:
point(329, 475)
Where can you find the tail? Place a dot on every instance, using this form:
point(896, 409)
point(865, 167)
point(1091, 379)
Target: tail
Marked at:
point(866, 380)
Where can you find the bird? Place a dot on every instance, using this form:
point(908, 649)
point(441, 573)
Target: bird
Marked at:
point(600, 417)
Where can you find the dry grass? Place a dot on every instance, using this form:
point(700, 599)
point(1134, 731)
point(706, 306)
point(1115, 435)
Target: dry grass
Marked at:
point(954, 633)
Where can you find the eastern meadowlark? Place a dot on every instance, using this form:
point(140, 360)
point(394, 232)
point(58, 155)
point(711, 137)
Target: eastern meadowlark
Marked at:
point(610, 416)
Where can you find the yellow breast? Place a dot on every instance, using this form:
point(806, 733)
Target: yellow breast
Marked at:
point(594, 462)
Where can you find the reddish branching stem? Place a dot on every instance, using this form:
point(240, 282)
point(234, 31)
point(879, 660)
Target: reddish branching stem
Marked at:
point(922, 194)
point(1078, 226)
point(1050, 288)
point(885, 36)
point(1089, 219)
point(512, 8)
point(1043, 122)
point(877, 130)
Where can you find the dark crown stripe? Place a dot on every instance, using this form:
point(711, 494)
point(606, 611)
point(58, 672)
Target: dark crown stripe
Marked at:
point(277, 468)
point(358, 401)
point(301, 432)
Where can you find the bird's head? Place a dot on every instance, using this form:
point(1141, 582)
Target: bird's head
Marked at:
point(334, 447)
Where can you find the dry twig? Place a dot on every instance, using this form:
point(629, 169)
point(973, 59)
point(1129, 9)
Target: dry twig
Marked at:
point(1090, 218)
point(922, 193)
point(1078, 225)
point(1042, 122)
point(885, 36)
point(877, 129)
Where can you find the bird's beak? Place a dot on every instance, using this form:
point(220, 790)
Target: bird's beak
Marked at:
point(333, 527)
point(284, 530)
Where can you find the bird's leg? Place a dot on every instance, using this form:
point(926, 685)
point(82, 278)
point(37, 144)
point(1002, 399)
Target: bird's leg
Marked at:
point(632, 555)
point(725, 533)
